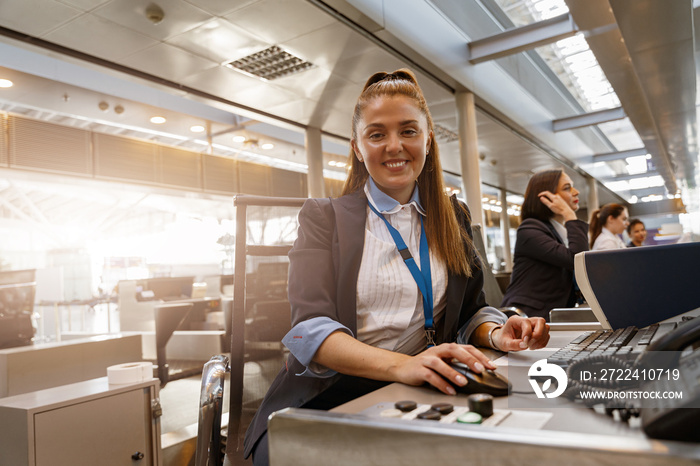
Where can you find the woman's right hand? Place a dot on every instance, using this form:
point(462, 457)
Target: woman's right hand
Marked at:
point(432, 366)
point(556, 204)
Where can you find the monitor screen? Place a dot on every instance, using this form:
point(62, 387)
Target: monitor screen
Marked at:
point(168, 288)
point(639, 286)
point(17, 292)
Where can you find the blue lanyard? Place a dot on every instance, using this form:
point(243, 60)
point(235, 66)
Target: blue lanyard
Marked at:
point(422, 276)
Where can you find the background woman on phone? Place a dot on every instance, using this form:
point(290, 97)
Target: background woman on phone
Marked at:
point(548, 238)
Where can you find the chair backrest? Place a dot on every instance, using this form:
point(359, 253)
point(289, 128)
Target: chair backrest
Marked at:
point(168, 317)
point(271, 320)
point(260, 311)
point(493, 292)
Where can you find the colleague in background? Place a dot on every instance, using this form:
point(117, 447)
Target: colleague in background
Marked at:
point(548, 238)
point(637, 233)
point(606, 226)
point(361, 317)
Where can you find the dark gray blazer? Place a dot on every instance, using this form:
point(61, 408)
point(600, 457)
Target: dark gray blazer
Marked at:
point(323, 268)
point(543, 267)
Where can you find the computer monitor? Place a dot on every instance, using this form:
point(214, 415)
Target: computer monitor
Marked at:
point(271, 280)
point(165, 288)
point(17, 291)
point(639, 286)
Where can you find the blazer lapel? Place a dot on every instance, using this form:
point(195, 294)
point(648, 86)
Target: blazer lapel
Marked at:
point(554, 232)
point(456, 286)
point(350, 217)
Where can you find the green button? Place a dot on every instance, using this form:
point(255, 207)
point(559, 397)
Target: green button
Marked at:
point(469, 418)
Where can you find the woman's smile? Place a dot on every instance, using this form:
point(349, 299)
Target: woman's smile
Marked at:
point(396, 164)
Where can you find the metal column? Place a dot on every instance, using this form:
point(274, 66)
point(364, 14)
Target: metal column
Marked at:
point(505, 228)
point(592, 201)
point(469, 154)
point(314, 159)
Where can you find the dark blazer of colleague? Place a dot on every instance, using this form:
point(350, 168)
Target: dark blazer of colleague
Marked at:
point(543, 267)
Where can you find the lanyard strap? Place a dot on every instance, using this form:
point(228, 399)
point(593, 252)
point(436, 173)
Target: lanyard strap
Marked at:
point(422, 276)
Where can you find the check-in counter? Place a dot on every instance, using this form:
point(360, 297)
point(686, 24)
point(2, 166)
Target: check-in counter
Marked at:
point(82, 424)
point(543, 432)
point(44, 365)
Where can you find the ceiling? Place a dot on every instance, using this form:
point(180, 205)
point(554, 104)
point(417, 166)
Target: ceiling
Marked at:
point(67, 56)
point(649, 58)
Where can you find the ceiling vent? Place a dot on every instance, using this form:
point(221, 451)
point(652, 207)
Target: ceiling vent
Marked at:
point(269, 64)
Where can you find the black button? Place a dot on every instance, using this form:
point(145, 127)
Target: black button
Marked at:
point(442, 408)
point(405, 406)
point(430, 415)
point(481, 403)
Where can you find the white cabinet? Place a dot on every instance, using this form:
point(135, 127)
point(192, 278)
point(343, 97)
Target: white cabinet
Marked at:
point(85, 423)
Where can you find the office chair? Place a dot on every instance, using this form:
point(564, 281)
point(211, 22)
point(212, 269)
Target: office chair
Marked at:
point(257, 319)
point(168, 318)
point(492, 290)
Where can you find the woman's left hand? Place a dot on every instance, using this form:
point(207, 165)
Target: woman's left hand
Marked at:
point(521, 333)
point(557, 205)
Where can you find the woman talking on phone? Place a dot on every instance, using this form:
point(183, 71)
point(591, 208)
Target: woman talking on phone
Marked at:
point(548, 238)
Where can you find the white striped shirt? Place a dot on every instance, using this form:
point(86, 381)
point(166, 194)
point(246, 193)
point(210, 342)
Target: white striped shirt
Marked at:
point(389, 304)
point(608, 240)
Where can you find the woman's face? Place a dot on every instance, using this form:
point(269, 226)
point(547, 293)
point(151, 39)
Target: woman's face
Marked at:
point(638, 234)
point(392, 141)
point(566, 191)
point(618, 224)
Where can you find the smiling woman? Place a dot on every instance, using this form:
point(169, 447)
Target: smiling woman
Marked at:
point(363, 313)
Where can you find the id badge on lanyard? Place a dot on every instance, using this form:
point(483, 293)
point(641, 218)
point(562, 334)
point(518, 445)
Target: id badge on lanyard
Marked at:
point(421, 276)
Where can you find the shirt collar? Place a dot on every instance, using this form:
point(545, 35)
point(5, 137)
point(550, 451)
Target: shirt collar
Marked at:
point(387, 204)
point(610, 233)
point(560, 230)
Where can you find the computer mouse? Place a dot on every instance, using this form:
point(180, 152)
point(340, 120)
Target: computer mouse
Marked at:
point(487, 382)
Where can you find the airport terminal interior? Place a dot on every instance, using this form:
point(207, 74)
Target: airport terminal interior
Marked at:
point(154, 156)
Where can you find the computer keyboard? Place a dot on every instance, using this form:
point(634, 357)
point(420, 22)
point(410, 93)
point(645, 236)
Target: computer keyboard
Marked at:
point(626, 343)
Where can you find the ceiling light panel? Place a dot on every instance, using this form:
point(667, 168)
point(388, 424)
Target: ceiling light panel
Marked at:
point(622, 134)
point(571, 58)
point(271, 63)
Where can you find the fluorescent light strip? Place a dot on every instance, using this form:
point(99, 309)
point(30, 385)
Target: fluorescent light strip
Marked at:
point(98, 121)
